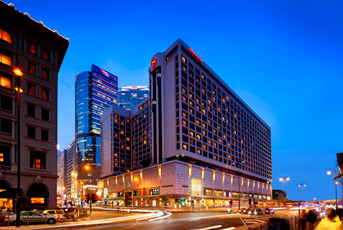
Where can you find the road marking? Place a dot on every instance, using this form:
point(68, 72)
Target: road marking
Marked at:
point(208, 228)
point(162, 217)
point(243, 221)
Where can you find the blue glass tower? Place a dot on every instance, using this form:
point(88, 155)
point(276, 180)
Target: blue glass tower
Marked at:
point(95, 91)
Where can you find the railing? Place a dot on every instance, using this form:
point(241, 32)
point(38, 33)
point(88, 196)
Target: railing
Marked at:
point(6, 112)
point(6, 135)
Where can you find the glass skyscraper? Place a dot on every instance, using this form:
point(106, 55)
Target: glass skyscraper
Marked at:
point(95, 91)
point(130, 96)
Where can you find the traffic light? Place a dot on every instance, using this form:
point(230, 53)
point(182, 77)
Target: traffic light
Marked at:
point(94, 197)
point(87, 198)
point(249, 201)
point(230, 202)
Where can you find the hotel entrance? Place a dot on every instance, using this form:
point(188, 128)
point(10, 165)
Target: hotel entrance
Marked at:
point(6, 197)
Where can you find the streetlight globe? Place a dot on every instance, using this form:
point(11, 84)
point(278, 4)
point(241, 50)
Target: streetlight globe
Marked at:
point(299, 185)
point(328, 172)
point(288, 178)
point(281, 179)
point(18, 72)
point(87, 167)
point(304, 185)
point(336, 182)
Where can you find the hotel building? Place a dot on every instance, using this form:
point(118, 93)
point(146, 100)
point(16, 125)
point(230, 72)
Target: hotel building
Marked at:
point(206, 146)
point(38, 52)
point(95, 91)
point(130, 96)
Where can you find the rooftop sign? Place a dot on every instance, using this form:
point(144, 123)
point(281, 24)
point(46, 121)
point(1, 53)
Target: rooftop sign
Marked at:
point(190, 49)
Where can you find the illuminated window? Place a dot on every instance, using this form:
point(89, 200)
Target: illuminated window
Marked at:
point(7, 60)
point(116, 135)
point(128, 147)
point(4, 35)
point(45, 54)
point(32, 68)
point(45, 94)
point(198, 152)
point(183, 59)
point(144, 142)
point(45, 74)
point(116, 154)
point(1, 157)
point(185, 147)
point(37, 159)
point(128, 138)
point(198, 136)
point(192, 134)
point(5, 82)
point(122, 132)
point(37, 200)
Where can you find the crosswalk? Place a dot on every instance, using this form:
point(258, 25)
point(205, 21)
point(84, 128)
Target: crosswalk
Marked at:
point(256, 220)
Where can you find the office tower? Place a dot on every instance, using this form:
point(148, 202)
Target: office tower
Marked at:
point(95, 90)
point(130, 96)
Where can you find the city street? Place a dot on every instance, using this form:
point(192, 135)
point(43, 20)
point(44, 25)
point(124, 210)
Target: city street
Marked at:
point(186, 221)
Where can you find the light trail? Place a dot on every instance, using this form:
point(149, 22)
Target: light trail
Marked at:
point(162, 217)
point(208, 228)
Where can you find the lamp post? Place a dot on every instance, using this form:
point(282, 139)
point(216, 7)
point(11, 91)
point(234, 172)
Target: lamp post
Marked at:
point(302, 186)
point(18, 73)
point(336, 183)
point(238, 163)
point(284, 179)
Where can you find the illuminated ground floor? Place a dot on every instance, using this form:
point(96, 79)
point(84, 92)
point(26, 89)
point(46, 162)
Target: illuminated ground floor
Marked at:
point(177, 184)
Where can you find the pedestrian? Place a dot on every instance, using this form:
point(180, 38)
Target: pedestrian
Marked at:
point(303, 219)
point(330, 222)
point(311, 218)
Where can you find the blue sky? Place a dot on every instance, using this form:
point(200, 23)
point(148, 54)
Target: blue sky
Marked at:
point(283, 58)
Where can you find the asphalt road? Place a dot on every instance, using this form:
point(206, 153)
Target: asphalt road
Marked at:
point(195, 220)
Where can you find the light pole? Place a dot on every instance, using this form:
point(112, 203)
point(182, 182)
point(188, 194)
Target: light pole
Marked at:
point(336, 183)
point(18, 73)
point(284, 179)
point(238, 163)
point(302, 186)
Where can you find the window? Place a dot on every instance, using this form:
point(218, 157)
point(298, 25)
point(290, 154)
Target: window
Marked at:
point(37, 159)
point(5, 103)
point(5, 82)
point(45, 54)
point(32, 48)
point(31, 131)
point(5, 126)
point(32, 68)
point(45, 94)
point(45, 74)
point(44, 135)
point(4, 35)
point(5, 155)
point(31, 110)
point(45, 114)
point(31, 89)
point(5, 59)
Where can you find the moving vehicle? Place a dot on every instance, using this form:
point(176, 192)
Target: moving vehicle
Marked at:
point(247, 211)
point(258, 211)
point(269, 211)
point(58, 213)
point(28, 217)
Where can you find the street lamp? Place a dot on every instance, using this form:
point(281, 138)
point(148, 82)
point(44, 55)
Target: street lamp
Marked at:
point(284, 179)
point(336, 182)
point(302, 186)
point(18, 73)
point(238, 163)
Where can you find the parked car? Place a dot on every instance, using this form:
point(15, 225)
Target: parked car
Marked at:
point(242, 210)
point(269, 211)
point(247, 211)
point(258, 211)
point(28, 217)
point(3, 216)
point(58, 213)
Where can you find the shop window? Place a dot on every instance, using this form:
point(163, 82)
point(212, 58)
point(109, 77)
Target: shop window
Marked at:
point(37, 159)
point(32, 68)
point(31, 131)
point(4, 35)
point(31, 89)
point(45, 94)
point(44, 135)
point(5, 103)
point(5, 126)
point(5, 59)
point(45, 74)
point(31, 110)
point(45, 114)
point(5, 155)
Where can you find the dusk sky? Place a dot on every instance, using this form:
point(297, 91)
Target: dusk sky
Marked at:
point(283, 58)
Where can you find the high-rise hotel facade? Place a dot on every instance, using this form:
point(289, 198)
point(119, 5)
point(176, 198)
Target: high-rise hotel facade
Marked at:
point(206, 146)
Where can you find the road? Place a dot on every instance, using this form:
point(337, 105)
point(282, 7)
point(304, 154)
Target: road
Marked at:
point(180, 221)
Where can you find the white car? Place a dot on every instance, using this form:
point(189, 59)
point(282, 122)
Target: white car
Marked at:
point(28, 217)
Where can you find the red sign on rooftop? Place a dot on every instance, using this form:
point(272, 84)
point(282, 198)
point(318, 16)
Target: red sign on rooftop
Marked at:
point(190, 49)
